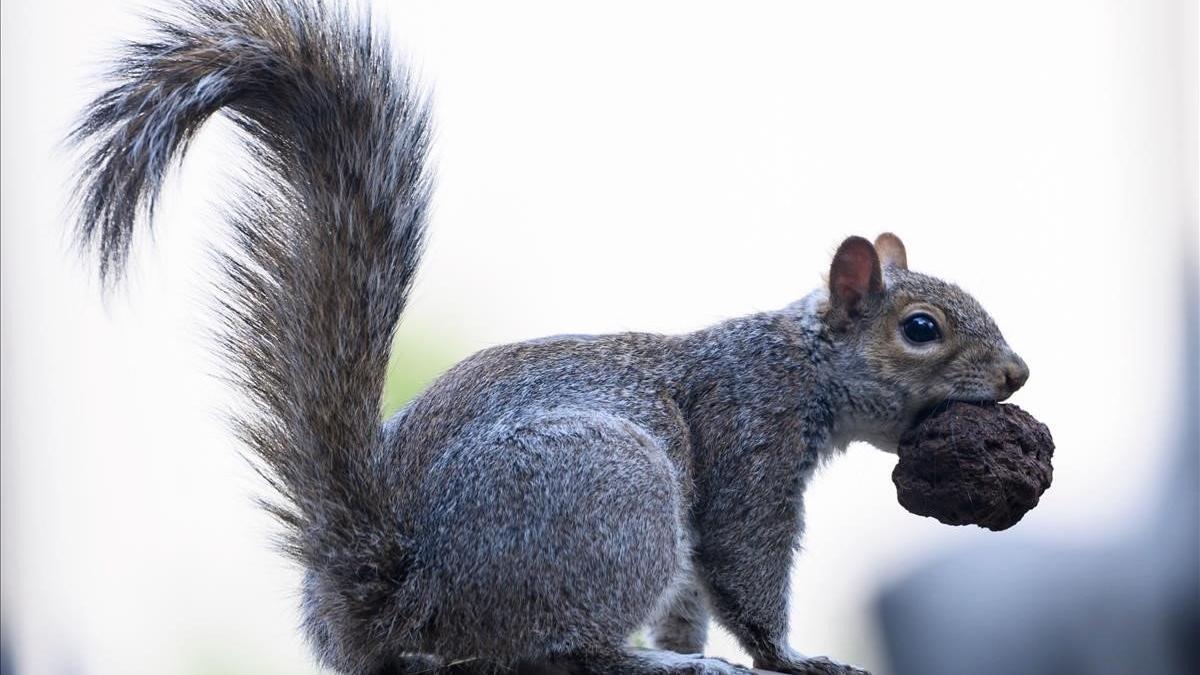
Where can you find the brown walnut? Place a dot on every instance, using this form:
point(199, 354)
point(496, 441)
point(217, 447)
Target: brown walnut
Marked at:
point(980, 464)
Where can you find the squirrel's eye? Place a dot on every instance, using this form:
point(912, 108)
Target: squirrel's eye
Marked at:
point(920, 328)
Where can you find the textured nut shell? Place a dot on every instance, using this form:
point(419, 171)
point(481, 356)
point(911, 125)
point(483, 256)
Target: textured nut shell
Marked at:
point(980, 464)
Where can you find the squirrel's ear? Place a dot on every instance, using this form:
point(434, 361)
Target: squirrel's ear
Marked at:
point(891, 251)
point(854, 274)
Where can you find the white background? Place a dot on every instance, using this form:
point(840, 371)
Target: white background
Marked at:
point(619, 166)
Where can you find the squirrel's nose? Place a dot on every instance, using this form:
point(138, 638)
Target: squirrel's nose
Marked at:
point(1015, 374)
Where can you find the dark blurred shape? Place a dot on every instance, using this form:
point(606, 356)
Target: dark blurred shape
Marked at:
point(6, 664)
point(1129, 606)
point(974, 464)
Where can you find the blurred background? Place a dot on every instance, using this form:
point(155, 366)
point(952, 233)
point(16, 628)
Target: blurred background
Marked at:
point(655, 167)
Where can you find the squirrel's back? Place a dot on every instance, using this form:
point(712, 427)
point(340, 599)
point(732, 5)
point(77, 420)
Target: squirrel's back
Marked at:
point(631, 375)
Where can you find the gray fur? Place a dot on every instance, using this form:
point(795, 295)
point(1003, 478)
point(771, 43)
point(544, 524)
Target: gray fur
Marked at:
point(542, 500)
point(683, 626)
point(328, 233)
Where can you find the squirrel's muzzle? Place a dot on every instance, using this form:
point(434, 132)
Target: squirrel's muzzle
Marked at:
point(1013, 375)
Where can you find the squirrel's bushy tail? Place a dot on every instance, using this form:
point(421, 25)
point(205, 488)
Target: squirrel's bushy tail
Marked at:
point(328, 234)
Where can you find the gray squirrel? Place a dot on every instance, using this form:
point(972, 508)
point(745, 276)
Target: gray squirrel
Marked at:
point(541, 501)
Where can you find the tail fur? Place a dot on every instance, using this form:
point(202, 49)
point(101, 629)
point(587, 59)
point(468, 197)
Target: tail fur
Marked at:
point(328, 236)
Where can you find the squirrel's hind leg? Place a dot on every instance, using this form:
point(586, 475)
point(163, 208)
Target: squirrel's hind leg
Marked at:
point(649, 662)
point(683, 627)
point(552, 533)
point(616, 662)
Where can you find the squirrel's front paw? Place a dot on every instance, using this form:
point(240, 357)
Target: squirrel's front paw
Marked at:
point(817, 665)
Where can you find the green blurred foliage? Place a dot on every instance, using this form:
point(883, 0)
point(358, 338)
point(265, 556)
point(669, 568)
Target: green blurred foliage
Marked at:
point(417, 359)
point(641, 639)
